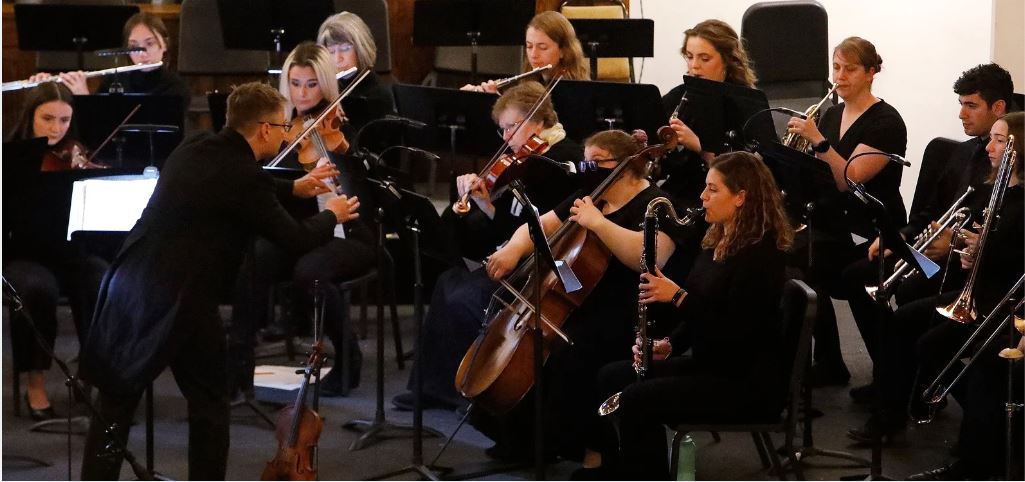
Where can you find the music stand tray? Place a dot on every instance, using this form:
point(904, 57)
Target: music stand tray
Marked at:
point(79, 28)
point(458, 121)
point(586, 107)
point(98, 114)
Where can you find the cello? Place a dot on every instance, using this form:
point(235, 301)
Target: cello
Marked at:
point(497, 370)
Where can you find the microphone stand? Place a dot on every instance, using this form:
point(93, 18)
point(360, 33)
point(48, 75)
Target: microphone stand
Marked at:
point(74, 388)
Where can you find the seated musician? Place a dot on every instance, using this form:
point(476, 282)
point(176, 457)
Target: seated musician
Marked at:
point(349, 41)
point(713, 51)
point(308, 82)
point(40, 273)
point(550, 40)
point(144, 30)
point(602, 327)
point(917, 337)
point(862, 123)
point(728, 309)
point(460, 296)
point(984, 93)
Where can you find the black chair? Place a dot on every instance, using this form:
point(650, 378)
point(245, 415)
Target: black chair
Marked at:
point(934, 160)
point(797, 308)
point(788, 43)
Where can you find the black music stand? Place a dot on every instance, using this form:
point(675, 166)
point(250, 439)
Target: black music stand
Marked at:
point(615, 37)
point(438, 23)
point(149, 130)
point(271, 25)
point(79, 28)
point(585, 107)
point(447, 112)
point(98, 114)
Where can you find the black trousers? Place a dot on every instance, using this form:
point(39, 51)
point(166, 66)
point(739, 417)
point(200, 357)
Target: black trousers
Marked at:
point(39, 287)
point(266, 264)
point(831, 253)
point(982, 394)
point(201, 376)
point(676, 391)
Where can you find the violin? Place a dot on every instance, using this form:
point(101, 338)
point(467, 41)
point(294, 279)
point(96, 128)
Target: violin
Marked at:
point(326, 138)
point(505, 169)
point(72, 155)
point(497, 370)
point(297, 430)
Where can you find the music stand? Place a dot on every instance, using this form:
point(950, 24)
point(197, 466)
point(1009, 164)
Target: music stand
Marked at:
point(456, 119)
point(79, 27)
point(585, 107)
point(98, 114)
point(615, 37)
point(271, 25)
point(442, 23)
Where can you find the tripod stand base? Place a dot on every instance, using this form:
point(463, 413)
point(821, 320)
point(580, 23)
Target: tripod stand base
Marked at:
point(60, 425)
point(425, 473)
point(381, 429)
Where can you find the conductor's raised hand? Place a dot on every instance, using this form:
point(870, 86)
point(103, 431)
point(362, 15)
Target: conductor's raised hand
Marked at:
point(345, 208)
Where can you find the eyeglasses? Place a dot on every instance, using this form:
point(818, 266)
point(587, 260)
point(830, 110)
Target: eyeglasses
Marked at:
point(342, 47)
point(286, 126)
point(507, 128)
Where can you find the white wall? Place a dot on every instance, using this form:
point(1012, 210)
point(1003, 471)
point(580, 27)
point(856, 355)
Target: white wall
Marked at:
point(925, 45)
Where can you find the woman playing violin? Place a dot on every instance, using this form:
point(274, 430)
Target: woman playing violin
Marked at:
point(549, 40)
point(143, 30)
point(48, 114)
point(601, 329)
point(460, 296)
point(308, 83)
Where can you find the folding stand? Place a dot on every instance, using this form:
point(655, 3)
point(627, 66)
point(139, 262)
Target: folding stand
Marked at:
point(472, 23)
point(619, 37)
point(81, 28)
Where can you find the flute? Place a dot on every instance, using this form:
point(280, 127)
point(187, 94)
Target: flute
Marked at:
point(25, 84)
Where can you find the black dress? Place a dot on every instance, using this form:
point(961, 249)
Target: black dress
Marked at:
point(730, 320)
point(158, 304)
point(460, 296)
point(157, 82)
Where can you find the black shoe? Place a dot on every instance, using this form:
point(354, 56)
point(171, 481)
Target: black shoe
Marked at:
point(954, 471)
point(822, 375)
point(40, 414)
point(863, 395)
point(889, 429)
point(406, 402)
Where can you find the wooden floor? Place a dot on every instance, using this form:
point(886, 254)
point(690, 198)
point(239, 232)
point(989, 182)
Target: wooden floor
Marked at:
point(252, 443)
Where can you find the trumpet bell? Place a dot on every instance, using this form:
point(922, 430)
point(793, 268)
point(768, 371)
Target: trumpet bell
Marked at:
point(1011, 354)
point(962, 310)
point(610, 404)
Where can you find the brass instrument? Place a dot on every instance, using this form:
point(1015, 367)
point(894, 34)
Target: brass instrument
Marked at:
point(962, 309)
point(956, 218)
point(794, 140)
point(648, 256)
point(25, 84)
point(503, 83)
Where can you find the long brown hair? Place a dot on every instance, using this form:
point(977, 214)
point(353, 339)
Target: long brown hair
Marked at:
point(761, 214)
point(45, 92)
point(730, 47)
point(1015, 127)
point(556, 27)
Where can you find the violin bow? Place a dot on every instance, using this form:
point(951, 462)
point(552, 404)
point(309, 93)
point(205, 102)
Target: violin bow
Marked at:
point(113, 133)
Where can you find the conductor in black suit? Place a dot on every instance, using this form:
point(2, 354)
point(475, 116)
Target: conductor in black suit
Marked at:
point(158, 305)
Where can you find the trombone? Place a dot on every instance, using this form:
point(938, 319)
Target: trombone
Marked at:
point(25, 84)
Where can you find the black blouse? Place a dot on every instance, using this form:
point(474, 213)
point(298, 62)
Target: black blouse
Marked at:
point(157, 82)
point(730, 316)
point(683, 170)
point(1003, 257)
point(881, 128)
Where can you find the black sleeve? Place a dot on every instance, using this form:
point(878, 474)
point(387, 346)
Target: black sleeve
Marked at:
point(562, 210)
point(261, 209)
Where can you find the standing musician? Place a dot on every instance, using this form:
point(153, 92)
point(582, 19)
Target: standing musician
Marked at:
point(713, 51)
point(141, 30)
point(349, 41)
point(919, 337)
point(729, 316)
point(159, 301)
point(601, 329)
point(984, 93)
point(460, 296)
point(307, 81)
point(40, 272)
point(861, 123)
point(550, 40)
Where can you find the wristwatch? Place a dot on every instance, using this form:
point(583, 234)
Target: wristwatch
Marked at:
point(821, 147)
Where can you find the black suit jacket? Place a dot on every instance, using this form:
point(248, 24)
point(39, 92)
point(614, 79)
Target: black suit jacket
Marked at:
point(211, 197)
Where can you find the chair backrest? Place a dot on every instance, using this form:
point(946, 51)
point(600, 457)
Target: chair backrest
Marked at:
point(798, 307)
point(201, 44)
point(787, 43)
point(613, 69)
point(375, 14)
point(934, 159)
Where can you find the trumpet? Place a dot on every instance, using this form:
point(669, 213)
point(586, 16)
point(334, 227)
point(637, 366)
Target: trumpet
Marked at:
point(648, 256)
point(956, 217)
point(962, 309)
point(25, 84)
point(794, 140)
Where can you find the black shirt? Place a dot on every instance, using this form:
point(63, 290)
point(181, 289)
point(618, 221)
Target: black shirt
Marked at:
point(968, 166)
point(683, 170)
point(1003, 256)
point(881, 128)
point(157, 82)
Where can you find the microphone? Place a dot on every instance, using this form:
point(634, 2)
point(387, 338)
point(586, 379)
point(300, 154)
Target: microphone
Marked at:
point(898, 159)
point(404, 121)
point(791, 112)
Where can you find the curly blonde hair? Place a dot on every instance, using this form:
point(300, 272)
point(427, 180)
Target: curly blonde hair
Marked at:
point(762, 213)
